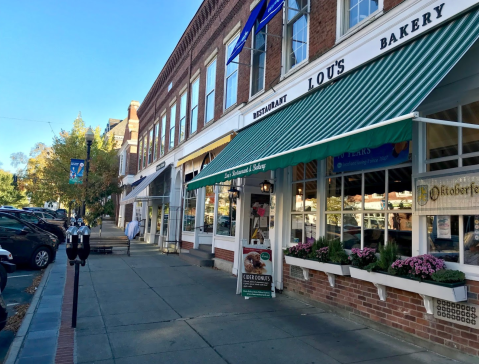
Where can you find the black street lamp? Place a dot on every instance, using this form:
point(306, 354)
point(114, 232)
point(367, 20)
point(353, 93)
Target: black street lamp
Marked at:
point(89, 136)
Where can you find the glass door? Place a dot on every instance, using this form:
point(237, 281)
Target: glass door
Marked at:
point(259, 218)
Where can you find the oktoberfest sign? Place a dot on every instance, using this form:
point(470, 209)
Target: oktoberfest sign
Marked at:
point(445, 194)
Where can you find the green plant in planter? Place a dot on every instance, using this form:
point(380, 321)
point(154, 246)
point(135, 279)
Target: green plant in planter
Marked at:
point(448, 276)
point(387, 255)
point(336, 253)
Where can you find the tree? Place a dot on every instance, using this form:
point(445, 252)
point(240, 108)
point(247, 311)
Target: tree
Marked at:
point(9, 194)
point(18, 159)
point(47, 176)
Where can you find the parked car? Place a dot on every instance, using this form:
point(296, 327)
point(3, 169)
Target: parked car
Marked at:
point(6, 207)
point(50, 218)
point(61, 213)
point(6, 266)
point(58, 231)
point(27, 242)
point(3, 313)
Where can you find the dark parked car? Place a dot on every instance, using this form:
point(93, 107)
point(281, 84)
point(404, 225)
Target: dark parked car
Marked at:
point(27, 242)
point(3, 313)
point(58, 231)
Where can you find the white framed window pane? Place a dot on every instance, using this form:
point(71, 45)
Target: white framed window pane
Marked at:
point(210, 106)
point(194, 119)
point(352, 192)
point(211, 77)
point(297, 40)
point(194, 105)
point(333, 194)
point(172, 126)
point(442, 140)
point(232, 67)
point(310, 196)
point(183, 117)
point(400, 231)
point(144, 153)
point(298, 172)
point(352, 231)
point(162, 146)
point(297, 228)
point(258, 61)
point(471, 239)
point(163, 125)
point(139, 154)
point(150, 147)
point(400, 188)
point(209, 209)
point(155, 144)
point(294, 7)
point(226, 215)
point(298, 196)
point(375, 190)
point(333, 226)
point(310, 227)
point(190, 211)
point(470, 137)
point(443, 237)
point(374, 224)
point(172, 137)
point(231, 90)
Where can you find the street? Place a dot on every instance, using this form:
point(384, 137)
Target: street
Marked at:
point(13, 295)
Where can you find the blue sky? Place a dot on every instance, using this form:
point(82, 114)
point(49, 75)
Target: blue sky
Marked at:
point(60, 57)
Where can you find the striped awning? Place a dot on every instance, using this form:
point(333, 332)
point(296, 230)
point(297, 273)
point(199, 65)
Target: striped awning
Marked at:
point(133, 195)
point(366, 108)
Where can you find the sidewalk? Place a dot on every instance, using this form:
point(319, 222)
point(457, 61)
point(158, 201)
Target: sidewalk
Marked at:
point(153, 308)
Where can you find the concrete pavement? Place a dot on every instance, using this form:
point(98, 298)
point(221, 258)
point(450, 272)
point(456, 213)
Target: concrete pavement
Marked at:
point(153, 308)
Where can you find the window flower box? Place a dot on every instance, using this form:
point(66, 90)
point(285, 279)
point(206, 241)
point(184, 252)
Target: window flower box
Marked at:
point(330, 269)
point(427, 290)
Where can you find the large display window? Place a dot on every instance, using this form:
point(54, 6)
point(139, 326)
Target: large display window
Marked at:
point(370, 208)
point(226, 214)
point(189, 215)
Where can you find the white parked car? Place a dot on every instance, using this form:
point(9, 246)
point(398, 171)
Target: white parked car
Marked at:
point(6, 266)
point(7, 207)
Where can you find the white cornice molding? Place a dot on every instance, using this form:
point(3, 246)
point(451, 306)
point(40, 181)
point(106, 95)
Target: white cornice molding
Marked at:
point(195, 75)
point(232, 33)
point(211, 56)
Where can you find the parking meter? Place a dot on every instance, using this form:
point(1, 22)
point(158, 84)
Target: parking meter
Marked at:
point(83, 243)
point(79, 222)
point(72, 242)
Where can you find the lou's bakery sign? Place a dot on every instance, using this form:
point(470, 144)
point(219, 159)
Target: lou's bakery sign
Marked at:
point(437, 195)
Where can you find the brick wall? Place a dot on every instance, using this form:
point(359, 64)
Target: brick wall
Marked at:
point(186, 245)
point(402, 310)
point(225, 254)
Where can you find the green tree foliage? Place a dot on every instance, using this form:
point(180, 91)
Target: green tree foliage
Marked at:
point(47, 176)
point(10, 194)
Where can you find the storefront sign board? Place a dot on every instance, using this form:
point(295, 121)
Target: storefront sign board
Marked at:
point(461, 313)
point(446, 194)
point(257, 272)
point(368, 158)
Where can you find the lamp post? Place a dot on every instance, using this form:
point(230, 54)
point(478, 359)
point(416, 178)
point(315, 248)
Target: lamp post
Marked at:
point(89, 136)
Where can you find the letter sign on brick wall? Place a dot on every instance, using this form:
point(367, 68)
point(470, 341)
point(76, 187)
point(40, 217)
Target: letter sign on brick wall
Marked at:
point(461, 313)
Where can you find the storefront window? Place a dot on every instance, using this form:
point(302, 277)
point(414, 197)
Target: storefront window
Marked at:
point(190, 211)
point(166, 214)
point(471, 239)
point(226, 216)
point(450, 146)
point(304, 201)
point(443, 237)
point(209, 209)
point(158, 221)
point(150, 216)
point(360, 217)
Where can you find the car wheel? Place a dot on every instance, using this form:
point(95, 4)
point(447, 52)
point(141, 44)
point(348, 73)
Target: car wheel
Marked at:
point(40, 258)
point(3, 278)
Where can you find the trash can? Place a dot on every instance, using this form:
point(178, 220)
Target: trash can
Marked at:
point(72, 242)
point(83, 243)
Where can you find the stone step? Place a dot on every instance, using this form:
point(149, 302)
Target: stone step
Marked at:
point(201, 254)
point(195, 260)
point(205, 247)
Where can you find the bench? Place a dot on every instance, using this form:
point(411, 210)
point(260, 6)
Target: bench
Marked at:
point(106, 244)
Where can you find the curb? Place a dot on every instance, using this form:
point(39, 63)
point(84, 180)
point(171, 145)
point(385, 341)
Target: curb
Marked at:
point(20, 335)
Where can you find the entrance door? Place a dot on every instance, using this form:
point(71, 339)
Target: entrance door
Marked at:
point(259, 215)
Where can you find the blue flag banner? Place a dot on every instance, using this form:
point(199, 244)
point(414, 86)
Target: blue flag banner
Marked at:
point(383, 156)
point(77, 166)
point(246, 30)
point(271, 10)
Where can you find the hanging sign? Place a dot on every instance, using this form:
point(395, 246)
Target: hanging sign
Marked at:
point(451, 193)
point(77, 166)
point(386, 155)
point(257, 272)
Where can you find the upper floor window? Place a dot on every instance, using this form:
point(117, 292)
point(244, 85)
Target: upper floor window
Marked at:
point(145, 140)
point(355, 11)
point(296, 32)
point(210, 91)
point(258, 61)
point(150, 147)
point(140, 155)
point(172, 126)
point(155, 144)
point(231, 75)
point(195, 92)
point(121, 165)
point(183, 117)
point(163, 135)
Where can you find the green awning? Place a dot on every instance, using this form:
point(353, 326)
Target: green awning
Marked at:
point(366, 108)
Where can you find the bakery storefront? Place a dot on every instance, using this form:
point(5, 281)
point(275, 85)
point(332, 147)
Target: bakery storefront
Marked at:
point(388, 152)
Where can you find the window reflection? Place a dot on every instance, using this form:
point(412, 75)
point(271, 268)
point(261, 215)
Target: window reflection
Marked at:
point(310, 201)
point(352, 192)
point(400, 189)
point(471, 239)
point(296, 228)
point(209, 209)
point(443, 237)
point(333, 194)
point(470, 137)
point(374, 190)
point(442, 140)
point(298, 193)
point(351, 231)
point(226, 217)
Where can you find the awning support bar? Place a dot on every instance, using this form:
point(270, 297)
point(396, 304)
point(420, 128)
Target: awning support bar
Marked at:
point(447, 123)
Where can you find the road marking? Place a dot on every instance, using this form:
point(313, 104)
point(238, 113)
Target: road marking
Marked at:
point(25, 275)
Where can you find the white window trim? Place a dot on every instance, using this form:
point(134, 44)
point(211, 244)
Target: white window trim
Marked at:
point(214, 90)
point(197, 101)
point(152, 133)
point(286, 72)
point(163, 132)
point(251, 97)
point(226, 75)
point(341, 12)
point(172, 119)
point(156, 139)
point(186, 113)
